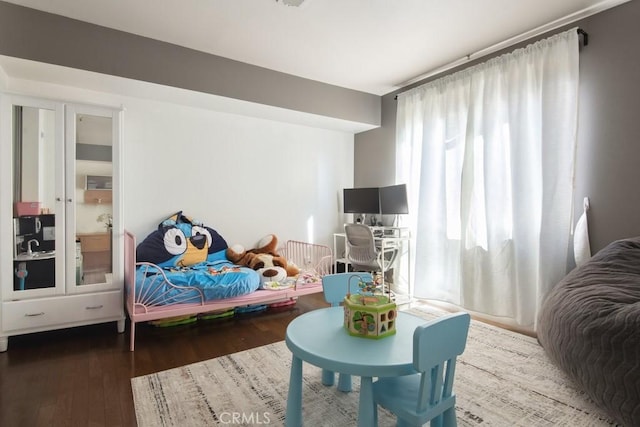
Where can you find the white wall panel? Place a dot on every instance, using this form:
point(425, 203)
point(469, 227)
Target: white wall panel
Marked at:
point(244, 177)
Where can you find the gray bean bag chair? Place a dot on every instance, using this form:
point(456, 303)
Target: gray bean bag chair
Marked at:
point(589, 325)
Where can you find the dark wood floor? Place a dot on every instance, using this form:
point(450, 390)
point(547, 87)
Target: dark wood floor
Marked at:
point(81, 376)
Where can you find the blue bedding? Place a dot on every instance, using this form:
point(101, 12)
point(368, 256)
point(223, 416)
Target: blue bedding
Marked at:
point(190, 254)
point(216, 279)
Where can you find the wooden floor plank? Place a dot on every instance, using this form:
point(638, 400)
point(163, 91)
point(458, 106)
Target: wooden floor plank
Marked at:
point(82, 376)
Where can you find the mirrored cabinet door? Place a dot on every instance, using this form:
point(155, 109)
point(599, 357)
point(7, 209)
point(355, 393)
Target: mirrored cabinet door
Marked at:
point(92, 146)
point(59, 198)
point(33, 205)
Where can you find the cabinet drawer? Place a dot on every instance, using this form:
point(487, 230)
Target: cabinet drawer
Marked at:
point(98, 196)
point(50, 312)
point(99, 242)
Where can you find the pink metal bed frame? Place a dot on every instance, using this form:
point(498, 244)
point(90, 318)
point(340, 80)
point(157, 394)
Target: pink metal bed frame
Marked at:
point(311, 258)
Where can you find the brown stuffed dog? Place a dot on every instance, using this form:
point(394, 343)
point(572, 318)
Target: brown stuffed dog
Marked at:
point(262, 257)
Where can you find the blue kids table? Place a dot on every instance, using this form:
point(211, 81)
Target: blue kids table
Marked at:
point(318, 337)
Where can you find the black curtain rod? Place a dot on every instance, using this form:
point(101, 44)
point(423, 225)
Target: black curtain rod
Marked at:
point(585, 36)
point(581, 32)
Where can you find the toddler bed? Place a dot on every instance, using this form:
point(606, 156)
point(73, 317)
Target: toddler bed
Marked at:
point(155, 291)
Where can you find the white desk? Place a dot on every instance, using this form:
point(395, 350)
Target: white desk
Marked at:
point(387, 237)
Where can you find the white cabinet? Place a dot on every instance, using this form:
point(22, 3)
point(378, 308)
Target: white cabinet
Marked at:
point(47, 151)
point(41, 313)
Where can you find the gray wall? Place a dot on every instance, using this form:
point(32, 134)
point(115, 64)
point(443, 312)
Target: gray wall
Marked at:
point(608, 157)
point(31, 34)
point(374, 151)
point(609, 125)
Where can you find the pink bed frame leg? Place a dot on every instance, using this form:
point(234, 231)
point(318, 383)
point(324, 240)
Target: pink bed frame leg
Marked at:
point(133, 336)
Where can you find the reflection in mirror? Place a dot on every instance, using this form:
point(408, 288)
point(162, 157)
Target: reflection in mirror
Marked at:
point(34, 149)
point(34, 180)
point(94, 211)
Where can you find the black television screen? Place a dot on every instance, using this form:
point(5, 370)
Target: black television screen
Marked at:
point(393, 200)
point(361, 200)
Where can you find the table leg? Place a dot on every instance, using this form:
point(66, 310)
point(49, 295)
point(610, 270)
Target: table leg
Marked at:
point(344, 383)
point(293, 417)
point(328, 377)
point(366, 406)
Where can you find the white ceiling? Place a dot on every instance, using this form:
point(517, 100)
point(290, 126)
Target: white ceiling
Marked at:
point(374, 46)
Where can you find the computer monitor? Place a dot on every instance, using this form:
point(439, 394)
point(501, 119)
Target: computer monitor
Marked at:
point(393, 200)
point(361, 200)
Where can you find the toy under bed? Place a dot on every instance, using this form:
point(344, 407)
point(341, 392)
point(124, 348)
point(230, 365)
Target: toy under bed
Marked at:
point(151, 293)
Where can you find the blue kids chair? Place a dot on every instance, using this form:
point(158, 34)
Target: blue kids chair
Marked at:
point(428, 395)
point(334, 287)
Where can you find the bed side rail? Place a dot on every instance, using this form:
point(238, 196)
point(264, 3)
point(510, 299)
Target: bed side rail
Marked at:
point(309, 257)
point(147, 285)
point(154, 289)
point(129, 267)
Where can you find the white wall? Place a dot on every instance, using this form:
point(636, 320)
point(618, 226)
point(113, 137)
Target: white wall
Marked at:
point(245, 177)
point(4, 79)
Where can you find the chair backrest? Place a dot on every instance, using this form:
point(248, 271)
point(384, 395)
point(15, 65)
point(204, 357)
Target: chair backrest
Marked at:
point(334, 286)
point(361, 245)
point(436, 345)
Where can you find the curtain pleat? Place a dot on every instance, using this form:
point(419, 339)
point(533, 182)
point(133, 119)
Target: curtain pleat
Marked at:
point(488, 155)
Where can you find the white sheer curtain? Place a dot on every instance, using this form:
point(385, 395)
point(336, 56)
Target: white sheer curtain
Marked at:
point(488, 155)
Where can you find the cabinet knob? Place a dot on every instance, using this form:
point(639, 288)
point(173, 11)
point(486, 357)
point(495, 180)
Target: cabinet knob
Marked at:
point(69, 200)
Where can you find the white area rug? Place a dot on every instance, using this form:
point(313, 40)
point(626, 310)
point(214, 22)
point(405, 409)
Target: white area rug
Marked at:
point(502, 379)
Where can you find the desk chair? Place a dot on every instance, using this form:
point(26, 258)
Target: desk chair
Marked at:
point(363, 253)
point(427, 395)
point(334, 288)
